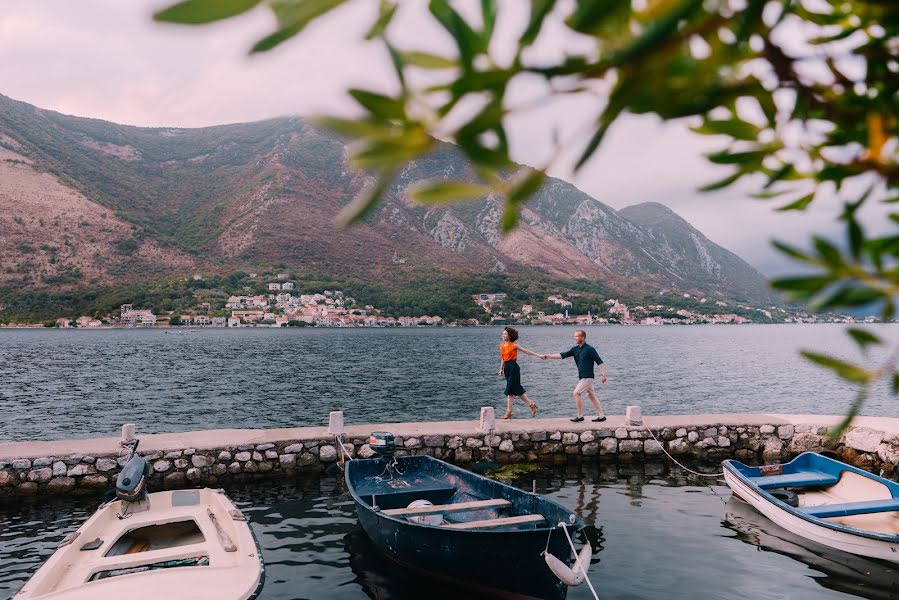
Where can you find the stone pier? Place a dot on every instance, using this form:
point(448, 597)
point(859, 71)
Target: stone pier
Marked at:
point(210, 458)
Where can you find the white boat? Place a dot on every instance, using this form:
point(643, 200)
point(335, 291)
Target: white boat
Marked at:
point(825, 501)
point(176, 545)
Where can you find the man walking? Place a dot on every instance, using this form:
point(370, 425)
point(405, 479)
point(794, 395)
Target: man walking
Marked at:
point(585, 356)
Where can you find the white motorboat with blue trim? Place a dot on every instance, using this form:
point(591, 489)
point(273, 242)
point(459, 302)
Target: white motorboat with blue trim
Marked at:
point(824, 500)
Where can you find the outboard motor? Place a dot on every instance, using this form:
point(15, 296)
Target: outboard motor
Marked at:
point(131, 484)
point(383, 443)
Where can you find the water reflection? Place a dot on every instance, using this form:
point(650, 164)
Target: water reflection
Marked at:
point(844, 572)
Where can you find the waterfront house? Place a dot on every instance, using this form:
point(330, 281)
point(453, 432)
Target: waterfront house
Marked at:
point(234, 321)
point(201, 320)
point(274, 286)
point(220, 322)
point(287, 285)
point(185, 319)
point(249, 316)
point(133, 318)
point(63, 322)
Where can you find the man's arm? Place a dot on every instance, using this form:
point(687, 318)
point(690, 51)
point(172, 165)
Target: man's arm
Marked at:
point(565, 354)
point(602, 366)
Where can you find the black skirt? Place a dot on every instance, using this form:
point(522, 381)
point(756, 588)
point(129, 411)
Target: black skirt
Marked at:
point(513, 378)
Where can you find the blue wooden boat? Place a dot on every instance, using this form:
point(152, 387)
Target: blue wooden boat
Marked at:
point(824, 500)
point(464, 528)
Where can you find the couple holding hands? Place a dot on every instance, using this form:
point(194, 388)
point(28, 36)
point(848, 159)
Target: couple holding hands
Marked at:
point(585, 356)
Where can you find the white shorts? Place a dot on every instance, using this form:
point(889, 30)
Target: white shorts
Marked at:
point(584, 385)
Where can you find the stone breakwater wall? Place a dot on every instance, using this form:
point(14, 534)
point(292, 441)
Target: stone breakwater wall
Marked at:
point(213, 458)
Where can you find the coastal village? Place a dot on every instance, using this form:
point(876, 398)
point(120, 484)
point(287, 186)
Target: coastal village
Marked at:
point(281, 307)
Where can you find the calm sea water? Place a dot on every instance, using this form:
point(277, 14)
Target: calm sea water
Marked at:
point(654, 535)
point(85, 383)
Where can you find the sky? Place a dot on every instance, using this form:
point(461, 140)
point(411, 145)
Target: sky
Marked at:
point(107, 59)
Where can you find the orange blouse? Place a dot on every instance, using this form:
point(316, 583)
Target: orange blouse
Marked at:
point(508, 351)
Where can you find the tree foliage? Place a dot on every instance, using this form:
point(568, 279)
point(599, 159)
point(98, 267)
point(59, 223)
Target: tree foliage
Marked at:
point(802, 93)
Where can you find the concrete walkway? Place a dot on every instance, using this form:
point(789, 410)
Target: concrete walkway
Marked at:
point(217, 438)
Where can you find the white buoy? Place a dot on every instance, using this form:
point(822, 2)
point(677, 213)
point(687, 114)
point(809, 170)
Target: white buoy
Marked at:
point(571, 576)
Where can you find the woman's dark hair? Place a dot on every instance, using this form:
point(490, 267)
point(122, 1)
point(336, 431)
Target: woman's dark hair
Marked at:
point(513, 334)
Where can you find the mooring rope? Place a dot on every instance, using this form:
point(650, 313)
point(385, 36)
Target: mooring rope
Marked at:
point(577, 560)
point(674, 460)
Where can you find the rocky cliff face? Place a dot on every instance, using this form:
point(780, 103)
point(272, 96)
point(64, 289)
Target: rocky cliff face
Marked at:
point(244, 195)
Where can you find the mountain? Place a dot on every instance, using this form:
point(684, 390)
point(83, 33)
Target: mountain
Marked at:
point(88, 203)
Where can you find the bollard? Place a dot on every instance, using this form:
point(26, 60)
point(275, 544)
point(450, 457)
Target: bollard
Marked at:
point(632, 416)
point(127, 433)
point(488, 419)
point(335, 422)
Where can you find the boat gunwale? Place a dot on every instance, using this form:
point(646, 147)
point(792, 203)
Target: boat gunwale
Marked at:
point(731, 469)
point(577, 526)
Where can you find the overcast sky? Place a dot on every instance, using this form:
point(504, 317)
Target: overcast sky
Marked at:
point(107, 59)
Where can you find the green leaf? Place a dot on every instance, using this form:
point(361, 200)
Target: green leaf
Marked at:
point(467, 41)
point(356, 128)
point(539, 10)
point(850, 295)
point(525, 186)
point(895, 384)
point(442, 192)
point(198, 12)
point(364, 201)
point(656, 33)
point(807, 285)
point(380, 105)
point(799, 204)
point(829, 253)
point(835, 433)
point(795, 253)
point(863, 337)
point(293, 16)
point(735, 128)
point(842, 369)
point(488, 16)
point(428, 61)
point(386, 12)
point(509, 220)
point(750, 157)
point(722, 183)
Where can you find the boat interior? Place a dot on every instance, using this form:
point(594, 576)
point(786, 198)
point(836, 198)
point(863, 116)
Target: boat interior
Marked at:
point(833, 491)
point(458, 499)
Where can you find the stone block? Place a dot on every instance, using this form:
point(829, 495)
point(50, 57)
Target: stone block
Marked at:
point(652, 448)
point(42, 475)
point(805, 442)
point(79, 470)
point(88, 459)
point(257, 456)
point(266, 466)
point(74, 459)
point(550, 448)
point(682, 432)
point(766, 429)
point(693, 437)
point(271, 454)
point(243, 456)
point(473, 443)
point(412, 442)
point(487, 421)
point(587, 437)
point(590, 449)
point(160, 466)
point(194, 474)
point(454, 442)
point(863, 439)
point(21, 464)
point(772, 449)
point(556, 436)
point(293, 449)
point(200, 460)
point(608, 445)
point(538, 436)
point(463, 455)
point(604, 433)
point(264, 447)
point(306, 459)
point(250, 467)
point(571, 449)
point(633, 416)
point(710, 432)
point(366, 451)
point(785, 432)
point(61, 485)
point(173, 455)
point(639, 434)
point(174, 481)
point(97, 482)
point(506, 446)
point(327, 453)
point(678, 446)
point(723, 441)
point(630, 446)
point(219, 469)
point(224, 456)
point(667, 434)
point(287, 460)
point(181, 463)
point(434, 441)
point(42, 462)
point(106, 464)
point(621, 433)
point(29, 488)
point(60, 469)
point(570, 438)
point(234, 468)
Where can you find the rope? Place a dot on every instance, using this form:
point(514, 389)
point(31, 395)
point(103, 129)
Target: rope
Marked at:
point(674, 460)
point(342, 451)
point(577, 560)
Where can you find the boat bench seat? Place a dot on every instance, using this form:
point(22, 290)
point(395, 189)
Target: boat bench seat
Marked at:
point(847, 509)
point(501, 522)
point(795, 480)
point(440, 509)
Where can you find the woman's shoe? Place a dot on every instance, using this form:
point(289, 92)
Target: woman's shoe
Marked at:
point(533, 408)
point(508, 415)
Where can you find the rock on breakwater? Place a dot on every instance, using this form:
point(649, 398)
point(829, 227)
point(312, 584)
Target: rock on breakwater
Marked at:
point(209, 458)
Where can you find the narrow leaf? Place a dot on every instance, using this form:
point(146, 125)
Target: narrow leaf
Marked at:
point(842, 369)
point(539, 10)
point(198, 12)
point(429, 61)
point(293, 16)
point(721, 183)
point(863, 337)
point(364, 201)
point(735, 128)
point(799, 204)
point(895, 384)
point(808, 285)
point(526, 186)
point(442, 192)
point(385, 16)
point(795, 253)
point(379, 105)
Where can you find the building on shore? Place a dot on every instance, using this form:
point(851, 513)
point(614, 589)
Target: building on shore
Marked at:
point(135, 318)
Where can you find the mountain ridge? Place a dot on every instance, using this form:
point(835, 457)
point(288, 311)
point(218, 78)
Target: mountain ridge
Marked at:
point(212, 199)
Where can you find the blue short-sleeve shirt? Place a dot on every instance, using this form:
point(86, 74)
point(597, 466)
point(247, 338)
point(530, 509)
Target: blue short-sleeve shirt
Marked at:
point(584, 357)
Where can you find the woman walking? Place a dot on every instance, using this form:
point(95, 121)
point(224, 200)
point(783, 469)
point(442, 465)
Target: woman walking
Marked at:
point(508, 353)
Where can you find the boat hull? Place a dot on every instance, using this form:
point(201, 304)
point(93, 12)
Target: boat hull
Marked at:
point(811, 530)
point(506, 563)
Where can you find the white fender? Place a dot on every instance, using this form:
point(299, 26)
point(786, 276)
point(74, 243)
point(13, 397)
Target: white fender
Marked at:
point(571, 576)
point(561, 570)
